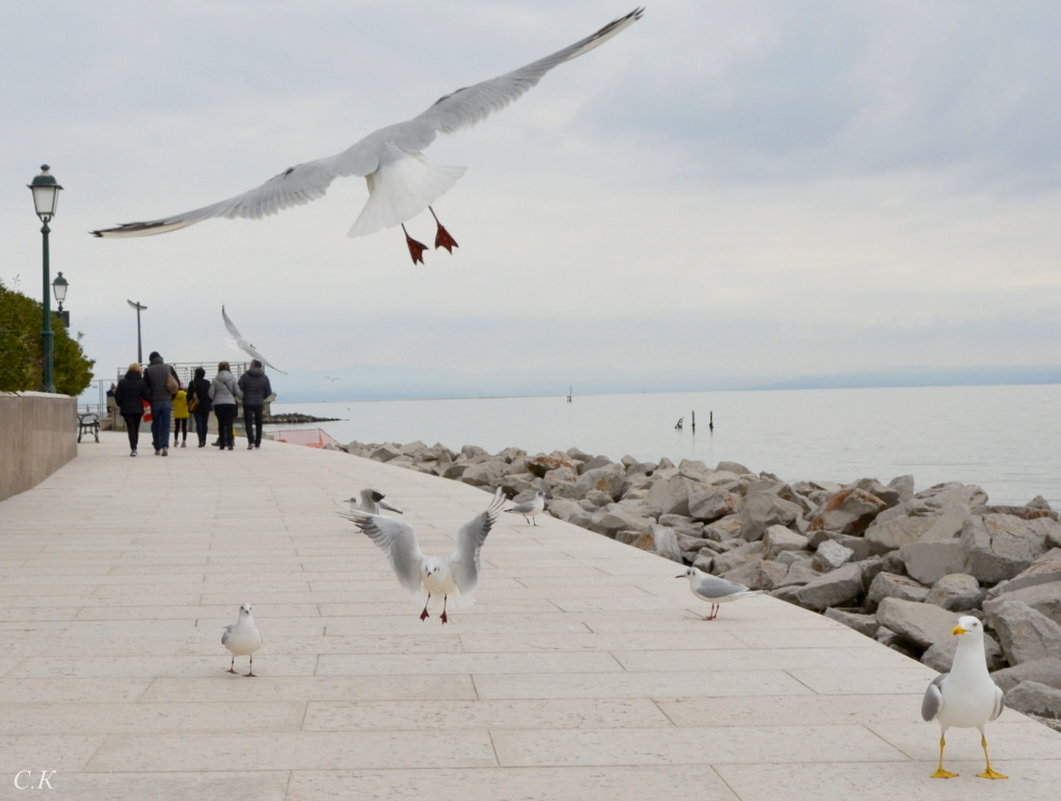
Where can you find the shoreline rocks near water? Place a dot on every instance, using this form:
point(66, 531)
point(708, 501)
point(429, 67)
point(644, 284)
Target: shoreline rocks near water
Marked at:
point(895, 564)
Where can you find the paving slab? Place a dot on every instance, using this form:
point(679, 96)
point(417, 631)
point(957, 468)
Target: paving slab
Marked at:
point(582, 670)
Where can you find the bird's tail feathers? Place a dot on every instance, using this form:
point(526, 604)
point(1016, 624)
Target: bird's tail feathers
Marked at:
point(401, 189)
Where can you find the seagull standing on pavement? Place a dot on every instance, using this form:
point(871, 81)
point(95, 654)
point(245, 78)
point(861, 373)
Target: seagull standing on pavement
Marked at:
point(435, 575)
point(530, 509)
point(715, 590)
point(401, 182)
point(242, 638)
point(371, 502)
point(967, 697)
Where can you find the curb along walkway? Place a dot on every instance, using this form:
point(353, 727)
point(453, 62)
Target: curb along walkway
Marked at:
point(583, 670)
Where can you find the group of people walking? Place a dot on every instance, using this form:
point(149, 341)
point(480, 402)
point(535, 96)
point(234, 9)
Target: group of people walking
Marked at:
point(159, 387)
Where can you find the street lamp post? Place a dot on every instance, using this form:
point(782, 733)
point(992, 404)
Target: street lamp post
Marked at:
point(139, 347)
point(45, 198)
point(60, 286)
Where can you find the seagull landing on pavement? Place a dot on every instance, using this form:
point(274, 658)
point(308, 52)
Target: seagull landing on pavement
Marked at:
point(371, 502)
point(401, 182)
point(967, 697)
point(715, 590)
point(435, 575)
point(242, 638)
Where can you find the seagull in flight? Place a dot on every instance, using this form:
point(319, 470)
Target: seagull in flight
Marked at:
point(244, 345)
point(401, 182)
point(435, 575)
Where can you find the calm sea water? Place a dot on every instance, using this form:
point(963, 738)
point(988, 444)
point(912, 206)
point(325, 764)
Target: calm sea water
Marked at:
point(1003, 438)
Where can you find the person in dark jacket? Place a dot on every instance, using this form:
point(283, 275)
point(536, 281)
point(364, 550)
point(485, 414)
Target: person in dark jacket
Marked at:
point(130, 395)
point(199, 396)
point(256, 388)
point(156, 377)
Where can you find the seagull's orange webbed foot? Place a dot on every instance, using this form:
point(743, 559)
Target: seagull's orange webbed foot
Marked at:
point(442, 236)
point(416, 249)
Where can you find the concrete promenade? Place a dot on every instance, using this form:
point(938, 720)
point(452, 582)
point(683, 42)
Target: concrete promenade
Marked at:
point(583, 671)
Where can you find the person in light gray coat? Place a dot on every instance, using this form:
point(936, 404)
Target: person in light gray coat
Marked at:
point(256, 388)
point(224, 392)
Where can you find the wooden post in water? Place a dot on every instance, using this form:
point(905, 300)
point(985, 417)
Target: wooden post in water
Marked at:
point(694, 420)
point(711, 421)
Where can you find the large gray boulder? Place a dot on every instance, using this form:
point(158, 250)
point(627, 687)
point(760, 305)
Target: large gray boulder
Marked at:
point(758, 574)
point(929, 560)
point(670, 496)
point(1024, 633)
point(888, 535)
point(835, 588)
point(569, 511)
point(858, 545)
point(781, 538)
point(736, 557)
point(849, 511)
point(1043, 598)
point(920, 623)
point(891, 585)
point(863, 624)
point(1044, 570)
point(609, 478)
point(831, 554)
point(484, 474)
point(622, 516)
point(998, 547)
point(709, 503)
point(1046, 670)
point(1034, 698)
point(956, 592)
point(665, 543)
point(763, 508)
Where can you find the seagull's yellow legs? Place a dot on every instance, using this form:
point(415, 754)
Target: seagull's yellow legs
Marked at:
point(989, 772)
point(940, 773)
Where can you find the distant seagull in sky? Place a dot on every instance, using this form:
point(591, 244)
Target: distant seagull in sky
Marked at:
point(435, 575)
point(331, 378)
point(371, 502)
point(242, 638)
point(401, 182)
point(244, 345)
point(530, 509)
point(715, 590)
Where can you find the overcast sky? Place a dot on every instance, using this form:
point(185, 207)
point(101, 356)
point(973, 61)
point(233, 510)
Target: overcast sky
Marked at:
point(726, 192)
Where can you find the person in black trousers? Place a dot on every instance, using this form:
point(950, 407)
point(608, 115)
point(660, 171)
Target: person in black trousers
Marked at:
point(130, 395)
point(199, 396)
point(256, 388)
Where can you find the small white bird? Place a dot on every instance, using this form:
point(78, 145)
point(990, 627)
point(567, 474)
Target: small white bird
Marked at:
point(967, 697)
point(401, 182)
point(715, 590)
point(530, 509)
point(435, 575)
point(242, 638)
point(371, 502)
point(244, 345)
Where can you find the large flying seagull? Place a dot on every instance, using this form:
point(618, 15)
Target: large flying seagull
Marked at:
point(401, 182)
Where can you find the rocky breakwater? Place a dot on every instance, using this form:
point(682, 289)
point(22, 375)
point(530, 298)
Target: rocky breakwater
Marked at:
point(894, 564)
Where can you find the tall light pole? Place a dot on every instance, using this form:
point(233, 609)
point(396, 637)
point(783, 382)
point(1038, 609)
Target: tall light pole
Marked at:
point(45, 198)
point(60, 286)
point(139, 347)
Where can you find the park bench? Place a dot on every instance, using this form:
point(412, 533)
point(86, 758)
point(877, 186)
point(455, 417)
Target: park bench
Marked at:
point(88, 423)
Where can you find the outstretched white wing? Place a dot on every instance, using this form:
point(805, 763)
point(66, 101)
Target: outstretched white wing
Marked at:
point(401, 182)
point(465, 559)
point(244, 345)
point(397, 540)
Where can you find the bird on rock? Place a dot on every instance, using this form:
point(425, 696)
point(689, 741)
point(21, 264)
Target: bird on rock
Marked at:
point(967, 696)
point(530, 509)
point(372, 502)
point(715, 590)
point(435, 575)
point(242, 638)
point(401, 182)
